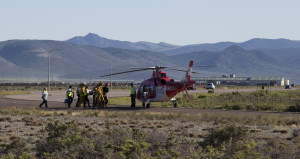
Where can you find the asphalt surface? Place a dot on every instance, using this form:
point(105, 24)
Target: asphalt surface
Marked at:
point(60, 96)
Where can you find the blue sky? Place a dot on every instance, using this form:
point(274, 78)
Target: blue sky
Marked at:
point(178, 22)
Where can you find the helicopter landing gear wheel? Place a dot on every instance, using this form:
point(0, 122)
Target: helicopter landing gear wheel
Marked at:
point(148, 105)
point(174, 104)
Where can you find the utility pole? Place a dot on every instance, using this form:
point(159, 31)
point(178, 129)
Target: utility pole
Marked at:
point(110, 76)
point(49, 66)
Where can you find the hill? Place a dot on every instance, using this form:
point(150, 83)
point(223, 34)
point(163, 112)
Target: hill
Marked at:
point(169, 49)
point(235, 59)
point(253, 44)
point(29, 59)
point(98, 41)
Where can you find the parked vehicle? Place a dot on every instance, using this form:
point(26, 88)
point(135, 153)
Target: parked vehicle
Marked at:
point(293, 85)
point(287, 86)
point(210, 86)
point(191, 88)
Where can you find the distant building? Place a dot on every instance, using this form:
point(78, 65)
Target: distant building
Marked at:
point(232, 80)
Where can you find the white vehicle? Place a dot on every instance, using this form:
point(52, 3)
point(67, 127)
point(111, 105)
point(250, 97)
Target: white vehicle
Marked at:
point(210, 86)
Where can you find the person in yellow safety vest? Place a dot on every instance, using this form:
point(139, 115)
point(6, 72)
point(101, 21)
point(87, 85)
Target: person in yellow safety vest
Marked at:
point(132, 95)
point(44, 97)
point(99, 95)
point(81, 93)
point(70, 96)
point(86, 96)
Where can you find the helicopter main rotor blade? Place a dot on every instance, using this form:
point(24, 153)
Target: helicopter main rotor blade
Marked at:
point(181, 70)
point(152, 68)
point(133, 68)
point(126, 72)
point(206, 66)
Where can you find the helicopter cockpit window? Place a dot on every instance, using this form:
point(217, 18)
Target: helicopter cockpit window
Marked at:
point(172, 80)
point(163, 81)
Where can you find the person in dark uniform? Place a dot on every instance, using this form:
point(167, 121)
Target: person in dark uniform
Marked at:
point(78, 95)
point(132, 95)
point(105, 91)
point(94, 95)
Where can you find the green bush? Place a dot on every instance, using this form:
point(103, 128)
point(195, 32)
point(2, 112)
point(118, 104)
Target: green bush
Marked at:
point(22, 155)
point(211, 91)
point(217, 137)
point(65, 140)
point(17, 147)
point(202, 96)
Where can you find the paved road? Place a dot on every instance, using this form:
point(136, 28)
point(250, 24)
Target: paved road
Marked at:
point(59, 96)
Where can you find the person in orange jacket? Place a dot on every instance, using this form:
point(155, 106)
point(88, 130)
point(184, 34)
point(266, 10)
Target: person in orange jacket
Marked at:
point(99, 94)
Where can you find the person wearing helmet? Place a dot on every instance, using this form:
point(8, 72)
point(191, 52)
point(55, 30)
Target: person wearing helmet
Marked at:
point(86, 96)
point(105, 91)
point(132, 95)
point(70, 96)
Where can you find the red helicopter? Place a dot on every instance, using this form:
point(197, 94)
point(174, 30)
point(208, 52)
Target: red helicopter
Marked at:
point(160, 88)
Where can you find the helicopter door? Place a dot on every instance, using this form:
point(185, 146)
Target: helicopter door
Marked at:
point(151, 90)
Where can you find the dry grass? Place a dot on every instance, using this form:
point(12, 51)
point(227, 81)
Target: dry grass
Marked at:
point(225, 117)
point(29, 124)
point(3, 93)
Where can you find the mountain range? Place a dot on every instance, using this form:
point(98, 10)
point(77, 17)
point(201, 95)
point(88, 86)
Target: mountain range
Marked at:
point(169, 49)
point(88, 57)
point(98, 41)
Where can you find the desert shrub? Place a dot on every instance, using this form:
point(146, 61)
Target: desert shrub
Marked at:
point(65, 140)
point(17, 148)
point(117, 136)
point(118, 142)
point(22, 155)
point(230, 142)
point(233, 106)
point(236, 93)
point(132, 146)
point(164, 145)
point(295, 107)
point(217, 137)
point(211, 91)
point(280, 148)
point(243, 149)
point(133, 149)
point(260, 93)
point(202, 96)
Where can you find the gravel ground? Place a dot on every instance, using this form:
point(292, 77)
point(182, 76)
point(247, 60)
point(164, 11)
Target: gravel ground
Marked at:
point(29, 127)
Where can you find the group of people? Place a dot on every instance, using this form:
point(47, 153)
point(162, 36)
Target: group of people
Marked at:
point(100, 98)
